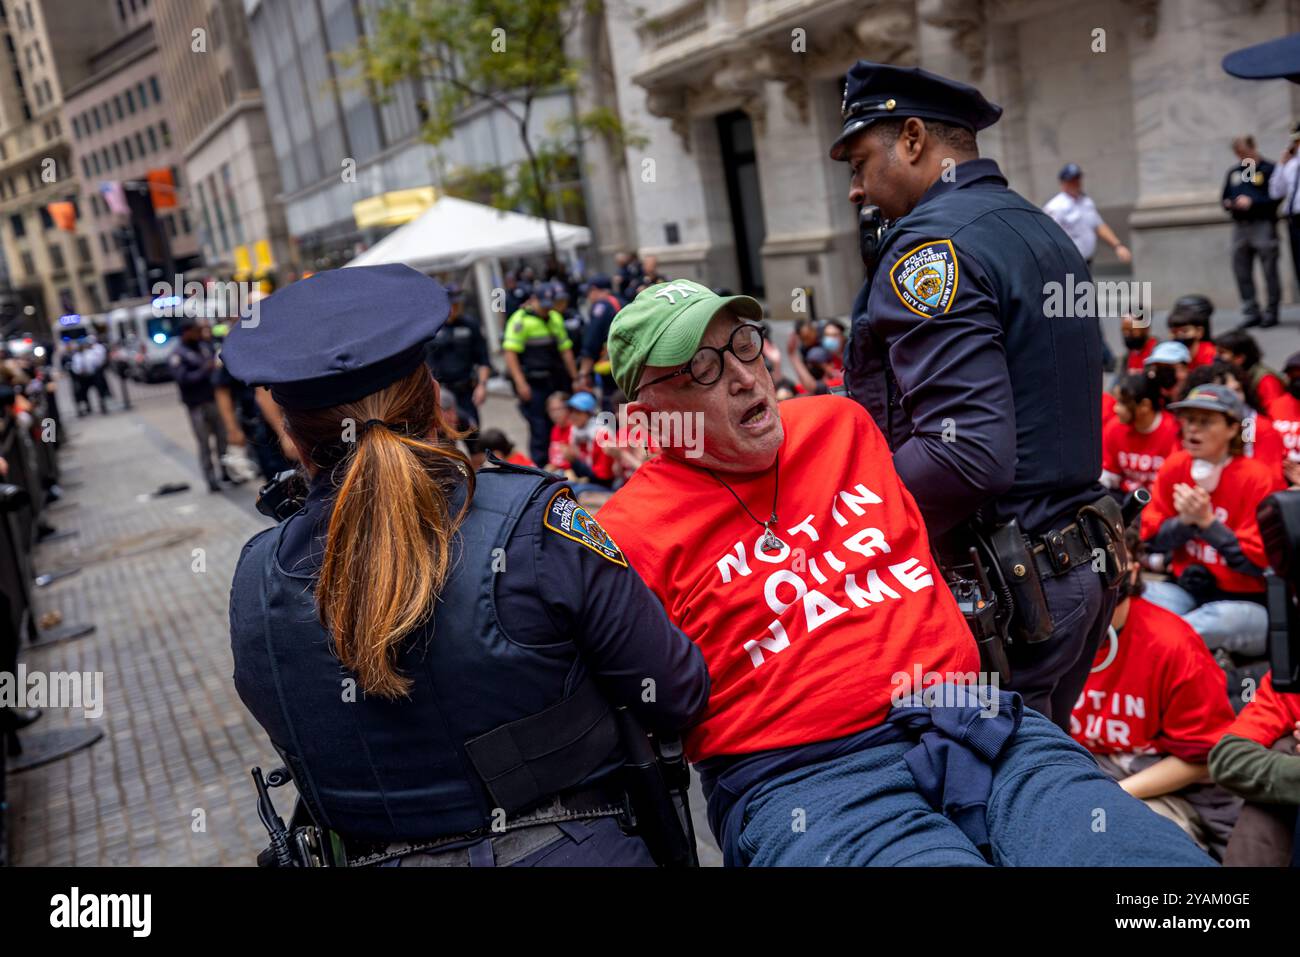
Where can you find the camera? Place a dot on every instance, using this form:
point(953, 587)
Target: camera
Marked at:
point(1279, 525)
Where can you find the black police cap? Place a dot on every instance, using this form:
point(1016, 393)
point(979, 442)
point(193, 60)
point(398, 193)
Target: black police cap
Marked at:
point(878, 91)
point(338, 335)
point(1276, 59)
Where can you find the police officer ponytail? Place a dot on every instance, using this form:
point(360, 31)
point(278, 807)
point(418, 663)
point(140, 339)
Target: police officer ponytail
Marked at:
point(388, 549)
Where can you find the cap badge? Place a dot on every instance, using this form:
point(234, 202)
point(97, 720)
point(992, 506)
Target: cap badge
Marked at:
point(890, 103)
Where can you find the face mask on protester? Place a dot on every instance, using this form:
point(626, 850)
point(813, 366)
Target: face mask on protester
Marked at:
point(1294, 387)
point(831, 344)
point(1134, 343)
point(1206, 474)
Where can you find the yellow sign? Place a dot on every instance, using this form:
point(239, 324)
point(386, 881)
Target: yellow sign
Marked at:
point(394, 207)
point(242, 270)
point(262, 256)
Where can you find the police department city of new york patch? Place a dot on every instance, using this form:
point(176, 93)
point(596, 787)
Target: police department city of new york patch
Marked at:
point(925, 278)
point(565, 516)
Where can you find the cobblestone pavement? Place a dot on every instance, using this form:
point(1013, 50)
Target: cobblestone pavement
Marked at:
point(168, 783)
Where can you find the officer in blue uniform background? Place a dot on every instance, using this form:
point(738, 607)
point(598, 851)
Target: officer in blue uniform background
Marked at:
point(435, 653)
point(991, 407)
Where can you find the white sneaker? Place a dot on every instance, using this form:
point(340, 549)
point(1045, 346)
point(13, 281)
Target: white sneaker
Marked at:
point(238, 465)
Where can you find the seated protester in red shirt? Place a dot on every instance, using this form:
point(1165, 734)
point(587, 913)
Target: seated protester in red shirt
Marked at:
point(1202, 511)
point(557, 408)
point(583, 443)
point(1285, 412)
point(1259, 439)
point(1259, 759)
point(816, 376)
point(1138, 341)
point(1136, 442)
point(1260, 383)
point(787, 549)
point(1168, 365)
point(1107, 407)
point(495, 441)
point(1154, 705)
point(1189, 323)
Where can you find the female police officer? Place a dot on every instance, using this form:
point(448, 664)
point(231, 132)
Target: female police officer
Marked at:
point(434, 653)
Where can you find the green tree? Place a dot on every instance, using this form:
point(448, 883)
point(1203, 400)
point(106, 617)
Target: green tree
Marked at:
point(504, 54)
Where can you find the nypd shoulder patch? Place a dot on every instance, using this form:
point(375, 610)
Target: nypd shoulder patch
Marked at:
point(566, 517)
point(925, 277)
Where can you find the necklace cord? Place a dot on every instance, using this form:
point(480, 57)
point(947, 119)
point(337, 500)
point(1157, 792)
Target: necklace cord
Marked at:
point(776, 490)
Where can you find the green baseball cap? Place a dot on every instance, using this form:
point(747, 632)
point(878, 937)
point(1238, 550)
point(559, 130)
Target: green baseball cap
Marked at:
point(663, 326)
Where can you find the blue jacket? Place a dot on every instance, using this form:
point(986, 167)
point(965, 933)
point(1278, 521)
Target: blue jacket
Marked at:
point(985, 399)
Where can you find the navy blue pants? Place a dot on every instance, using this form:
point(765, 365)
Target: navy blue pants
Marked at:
point(1050, 675)
point(1050, 806)
point(539, 424)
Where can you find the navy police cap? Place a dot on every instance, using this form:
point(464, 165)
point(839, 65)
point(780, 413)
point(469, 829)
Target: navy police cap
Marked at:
point(878, 91)
point(337, 336)
point(1276, 59)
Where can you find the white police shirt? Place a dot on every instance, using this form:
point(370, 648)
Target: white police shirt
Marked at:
point(1282, 185)
point(1079, 218)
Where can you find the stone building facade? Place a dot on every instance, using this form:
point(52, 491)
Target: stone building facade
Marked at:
point(739, 100)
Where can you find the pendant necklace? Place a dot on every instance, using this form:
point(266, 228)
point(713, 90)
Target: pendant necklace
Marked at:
point(770, 544)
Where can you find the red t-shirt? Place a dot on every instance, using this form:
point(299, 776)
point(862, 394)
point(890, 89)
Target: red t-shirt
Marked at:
point(592, 451)
point(1267, 446)
point(1136, 456)
point(1270, 387)
point(809, 643)
point(1285, 413)
point(1137, 356)
point(518, 458)
point(1154, 689)
point(1203, 355)
point(1272, 715)
point(1241, 488)
point(1107, 408)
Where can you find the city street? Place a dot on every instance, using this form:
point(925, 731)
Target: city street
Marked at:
point(169, 782)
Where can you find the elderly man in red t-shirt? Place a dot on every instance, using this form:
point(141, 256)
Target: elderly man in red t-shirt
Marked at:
point(848, 723)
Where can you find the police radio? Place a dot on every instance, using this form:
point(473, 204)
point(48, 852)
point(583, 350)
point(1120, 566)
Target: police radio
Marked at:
point(283, 496)
point(871, 227)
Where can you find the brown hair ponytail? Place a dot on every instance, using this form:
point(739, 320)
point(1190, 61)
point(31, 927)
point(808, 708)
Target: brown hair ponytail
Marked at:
point(388, 550)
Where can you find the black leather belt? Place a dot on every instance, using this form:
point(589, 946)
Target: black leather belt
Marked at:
point(1061, 550)
point(581, 805)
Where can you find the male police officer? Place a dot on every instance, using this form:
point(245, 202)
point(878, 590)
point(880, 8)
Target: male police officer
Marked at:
point(992, 409)
point(539, 358)
point(458, 358)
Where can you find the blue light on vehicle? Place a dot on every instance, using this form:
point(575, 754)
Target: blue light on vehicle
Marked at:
point(69, 320)
point(160, 337)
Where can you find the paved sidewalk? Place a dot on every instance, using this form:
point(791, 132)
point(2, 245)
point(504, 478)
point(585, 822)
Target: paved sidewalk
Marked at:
point(168, 783)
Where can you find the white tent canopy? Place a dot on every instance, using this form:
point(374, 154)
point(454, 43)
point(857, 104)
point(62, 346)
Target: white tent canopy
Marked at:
point(456, 234)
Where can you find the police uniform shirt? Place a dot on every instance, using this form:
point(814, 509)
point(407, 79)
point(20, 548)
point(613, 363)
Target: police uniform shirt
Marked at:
point(1282, 186)
point(1079, 218)
point(561, 579)
point(603, 312)
point(1250, 179)
point(455, 352)
point(983, 398)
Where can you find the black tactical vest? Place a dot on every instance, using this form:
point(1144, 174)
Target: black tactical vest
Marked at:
point(374, 769)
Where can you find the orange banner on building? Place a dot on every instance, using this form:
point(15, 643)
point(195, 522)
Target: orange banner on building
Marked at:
point(64, 215)
point(162, 188)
